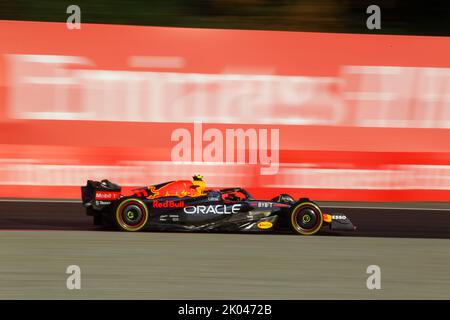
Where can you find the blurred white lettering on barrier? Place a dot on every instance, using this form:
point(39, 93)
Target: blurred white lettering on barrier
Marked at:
point(60, 87)
point(134, 173)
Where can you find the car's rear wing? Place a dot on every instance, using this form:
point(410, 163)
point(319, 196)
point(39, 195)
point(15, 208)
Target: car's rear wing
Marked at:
point(96, 195)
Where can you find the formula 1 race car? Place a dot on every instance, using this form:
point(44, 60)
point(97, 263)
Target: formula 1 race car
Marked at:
point(187, 205)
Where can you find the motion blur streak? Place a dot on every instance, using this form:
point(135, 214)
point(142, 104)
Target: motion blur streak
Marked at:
point(360, 117)
point(410, 270)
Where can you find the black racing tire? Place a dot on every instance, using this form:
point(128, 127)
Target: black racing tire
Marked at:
point(131, 215)
point(306, 218)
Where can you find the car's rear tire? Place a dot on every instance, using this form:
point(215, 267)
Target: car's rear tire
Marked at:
point(306, 218)
point(131, 215)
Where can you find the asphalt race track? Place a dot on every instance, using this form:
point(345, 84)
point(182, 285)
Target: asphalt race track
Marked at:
point(409, 242)
point(411, 220)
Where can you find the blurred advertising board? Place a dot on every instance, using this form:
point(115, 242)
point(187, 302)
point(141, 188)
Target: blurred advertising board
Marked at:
point(328, 116)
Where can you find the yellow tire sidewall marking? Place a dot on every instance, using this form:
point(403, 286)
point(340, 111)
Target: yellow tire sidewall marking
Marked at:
point(295, 224)
point(126, 227)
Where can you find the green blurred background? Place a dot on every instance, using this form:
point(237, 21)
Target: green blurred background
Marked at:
point(430, 17)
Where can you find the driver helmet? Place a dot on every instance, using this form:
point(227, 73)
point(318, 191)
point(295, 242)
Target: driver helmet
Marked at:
point(199, 184)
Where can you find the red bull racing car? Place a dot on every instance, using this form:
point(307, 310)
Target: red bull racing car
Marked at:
point(187, 205)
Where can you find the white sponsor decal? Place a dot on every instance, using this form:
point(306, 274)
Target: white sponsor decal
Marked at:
point(102, 202)
point(218, 209)
point(265, 204)
point(106, 195)
point(339, 217)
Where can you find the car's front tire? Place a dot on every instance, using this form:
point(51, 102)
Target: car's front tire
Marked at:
point(131, 215)
point(306, 218)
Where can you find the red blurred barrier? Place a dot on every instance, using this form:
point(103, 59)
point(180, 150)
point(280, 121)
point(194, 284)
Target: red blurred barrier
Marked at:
point(359, 117)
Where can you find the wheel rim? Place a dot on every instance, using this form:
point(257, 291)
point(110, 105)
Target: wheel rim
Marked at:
point(132, 215)
point(307, 218)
